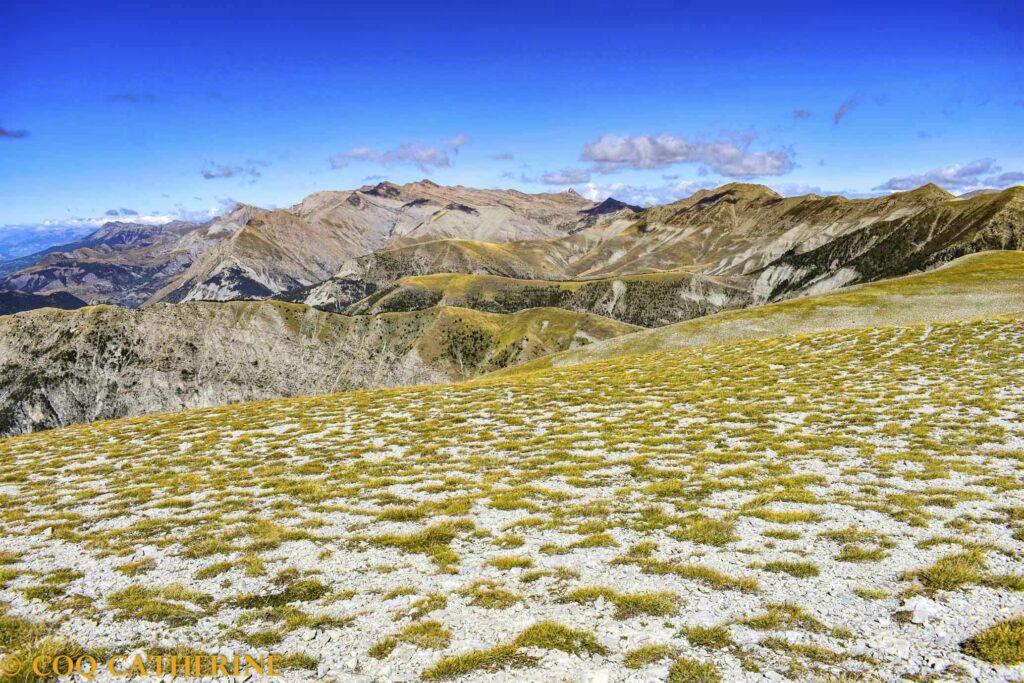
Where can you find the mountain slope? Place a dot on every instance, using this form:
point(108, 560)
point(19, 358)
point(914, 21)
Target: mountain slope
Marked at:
point(124, 263)
point(762, 509)
point(311, 241)
point(645, 300)
point(895, 247)
point(772, 247)
point(62, 367)
point(979, 285)
point(17, 302)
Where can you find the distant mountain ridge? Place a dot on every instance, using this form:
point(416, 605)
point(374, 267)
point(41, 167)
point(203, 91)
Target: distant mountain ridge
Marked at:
point(122, 262)
point(19, 302)
point(763, 247)
point(334, 249)
point(296, 247)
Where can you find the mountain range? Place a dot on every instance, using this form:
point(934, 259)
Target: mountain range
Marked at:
point(396, 284)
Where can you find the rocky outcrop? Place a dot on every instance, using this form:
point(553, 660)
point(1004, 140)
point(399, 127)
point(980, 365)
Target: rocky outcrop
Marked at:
point(63, 367)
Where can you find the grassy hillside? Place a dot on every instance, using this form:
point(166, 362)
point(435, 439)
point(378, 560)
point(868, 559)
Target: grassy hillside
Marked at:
point(985, 284)
point(647, 300)
point(793, 506)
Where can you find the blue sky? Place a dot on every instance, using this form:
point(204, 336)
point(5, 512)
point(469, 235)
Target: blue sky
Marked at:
point(178, 110)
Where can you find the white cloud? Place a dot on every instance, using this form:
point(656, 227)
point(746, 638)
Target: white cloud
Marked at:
point(725, 157)
point(1007, 179)
point(570, 176)
point(424, 157)
point(956, 177)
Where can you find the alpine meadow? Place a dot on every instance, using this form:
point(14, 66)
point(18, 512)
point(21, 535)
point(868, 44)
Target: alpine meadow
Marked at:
point(655, 343)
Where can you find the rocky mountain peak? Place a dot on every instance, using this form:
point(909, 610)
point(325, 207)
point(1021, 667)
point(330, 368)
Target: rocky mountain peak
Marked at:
point(927, 192)
point(610, 205)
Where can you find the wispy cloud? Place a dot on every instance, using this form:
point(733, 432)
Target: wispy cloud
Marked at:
point(1007, 179)
point(973, 174)
point(846, 106)
point(131, 97)
point(122, 212)
point(570, 176)
point(7, 134)
point(457, 142)
point(801, 114)
point(730, 158)
point(216, 171)
point(502, 156)
point(424, 157)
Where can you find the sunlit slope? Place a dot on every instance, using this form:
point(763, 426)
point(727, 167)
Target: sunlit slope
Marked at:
point(648, 300)
point(985, 284)
point(753, 510)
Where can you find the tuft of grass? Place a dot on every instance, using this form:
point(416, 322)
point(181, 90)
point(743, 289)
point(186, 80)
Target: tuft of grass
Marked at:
point(429, 635)
point(1001, 644)
point(711, 637)
point(782, 534)
point(871, 593)
point(484, 593)
point(421, 607)
point(797, 569)
point(432, 541)
point(491, 660)
point(816, 653)
point(297, 660)
point(708, 531)
point(213, 570)
point(137, 567)
point(138, 602)
point(598, 540)
point(645, 655)
point(627, 605)
point(509, 541)
point(550, 635)
point(306, 590)
point(950, 572)
point(860, 553)
point(507, 562)
point(687, 670)
point(784, 615)
point(785, 516)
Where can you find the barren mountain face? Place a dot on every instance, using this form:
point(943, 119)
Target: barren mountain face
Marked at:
point(124, 263)
point(64, 367)
point(309, 242)
point(422, 283)
point(761, 246)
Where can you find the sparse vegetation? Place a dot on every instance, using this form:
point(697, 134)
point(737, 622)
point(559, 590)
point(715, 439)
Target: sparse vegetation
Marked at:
point(499, 501)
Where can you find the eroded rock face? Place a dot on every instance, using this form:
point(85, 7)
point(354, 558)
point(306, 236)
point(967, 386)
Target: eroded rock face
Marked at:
point(64, 367)
point(734, 246)
point(297, 247)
